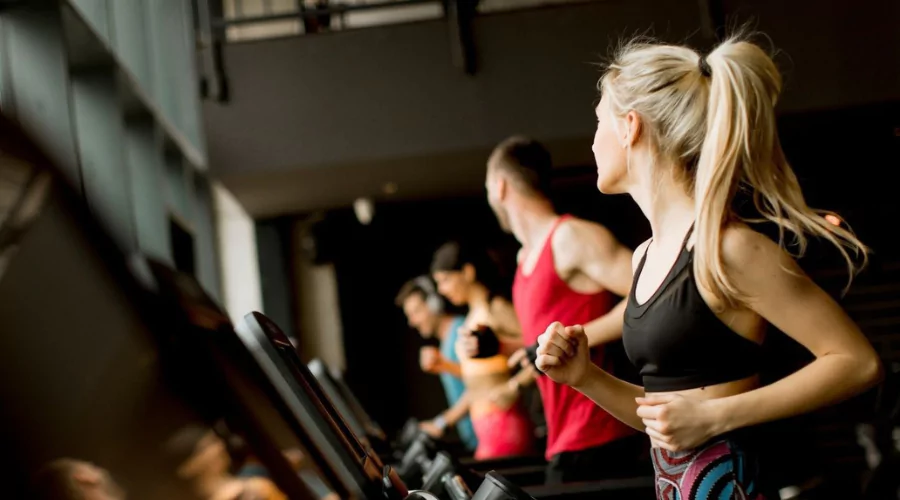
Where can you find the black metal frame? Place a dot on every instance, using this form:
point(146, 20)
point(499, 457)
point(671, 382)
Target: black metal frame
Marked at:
point(303, 11)
point(211, 25)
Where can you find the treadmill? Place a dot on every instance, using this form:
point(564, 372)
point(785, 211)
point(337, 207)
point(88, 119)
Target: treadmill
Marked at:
point(96, 366)
point(371, 425)
point(419, 447)
point(340, 394)
point(361, 474)
point(219, 366)
point(315, 408)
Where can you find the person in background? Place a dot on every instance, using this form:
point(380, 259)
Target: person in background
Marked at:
point(425, 312)
point(69, 479)
point(206, 464)
point(683, 133)
point(567, 268)
point(466, 277)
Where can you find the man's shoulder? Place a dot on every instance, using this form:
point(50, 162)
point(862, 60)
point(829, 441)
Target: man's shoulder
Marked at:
point(580, 231)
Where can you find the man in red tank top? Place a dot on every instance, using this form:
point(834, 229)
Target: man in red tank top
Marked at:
point(568, 271)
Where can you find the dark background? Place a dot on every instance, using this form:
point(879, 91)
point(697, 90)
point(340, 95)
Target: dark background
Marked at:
point(846, 160)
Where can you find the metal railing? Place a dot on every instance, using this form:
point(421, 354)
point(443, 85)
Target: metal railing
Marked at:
point(219, 22)
point(255, 19)
point(319, 9)
point(273, 18)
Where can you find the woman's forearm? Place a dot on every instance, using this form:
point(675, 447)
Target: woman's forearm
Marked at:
point(525, 377)
point(828, 380)
point(510, 344)
point(458, 410)
point(614, 395)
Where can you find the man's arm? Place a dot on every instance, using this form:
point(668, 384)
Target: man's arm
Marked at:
point(587, 250)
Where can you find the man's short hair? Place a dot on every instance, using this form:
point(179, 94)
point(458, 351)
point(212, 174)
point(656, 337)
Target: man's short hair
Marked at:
point(410, 288)
point(526, 163)
point(55, 481)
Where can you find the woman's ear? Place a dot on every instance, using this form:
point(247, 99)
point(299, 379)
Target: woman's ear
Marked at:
point(468, 271)
point(633, 129)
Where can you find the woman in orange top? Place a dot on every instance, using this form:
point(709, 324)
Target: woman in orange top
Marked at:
point(465, 277)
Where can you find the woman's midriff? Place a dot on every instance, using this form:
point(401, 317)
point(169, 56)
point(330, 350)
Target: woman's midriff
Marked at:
point(482, 377)
point(719, 390)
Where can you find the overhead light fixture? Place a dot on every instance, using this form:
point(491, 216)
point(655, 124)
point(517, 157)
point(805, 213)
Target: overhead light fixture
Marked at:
point(364, 209)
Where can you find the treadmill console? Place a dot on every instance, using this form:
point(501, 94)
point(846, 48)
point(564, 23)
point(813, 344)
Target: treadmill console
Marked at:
point(496, 487)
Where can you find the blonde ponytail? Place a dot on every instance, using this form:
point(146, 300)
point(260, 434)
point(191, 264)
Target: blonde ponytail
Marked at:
point(716, 118)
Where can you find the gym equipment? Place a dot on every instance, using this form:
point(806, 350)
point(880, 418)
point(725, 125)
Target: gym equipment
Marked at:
point(416, 460)
point(371, 478)
point(414, 450)
point(360, 473)
point(369, 434)
point(883, 441)
point(372, 427)
point(531, 354)
point(98, 366)
point(496, 487)
point(488, 343)
point(406, 436)
point(220, 364)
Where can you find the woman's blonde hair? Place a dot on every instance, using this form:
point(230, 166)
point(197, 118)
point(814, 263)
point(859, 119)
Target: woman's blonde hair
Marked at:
point(715, 116)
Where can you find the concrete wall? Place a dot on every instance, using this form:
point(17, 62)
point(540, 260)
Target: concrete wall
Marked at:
point(236, 242)
point(109, 90)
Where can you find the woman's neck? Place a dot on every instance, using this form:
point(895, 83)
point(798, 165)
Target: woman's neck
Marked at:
point(479, 298)
point(666, 205)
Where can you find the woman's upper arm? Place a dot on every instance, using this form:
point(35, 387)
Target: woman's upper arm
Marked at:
point(504, 318)
point(782, 294)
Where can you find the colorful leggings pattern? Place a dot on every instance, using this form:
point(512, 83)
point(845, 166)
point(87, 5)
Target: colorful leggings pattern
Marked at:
point(717, 471)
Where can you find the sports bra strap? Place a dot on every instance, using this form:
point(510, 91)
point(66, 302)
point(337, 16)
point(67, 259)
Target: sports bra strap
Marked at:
point(687, 236)
point(684, 243)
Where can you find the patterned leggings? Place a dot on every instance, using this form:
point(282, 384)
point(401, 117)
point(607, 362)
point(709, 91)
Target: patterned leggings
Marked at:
point(718, 470)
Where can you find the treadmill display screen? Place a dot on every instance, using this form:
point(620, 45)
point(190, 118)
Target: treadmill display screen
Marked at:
point(302, 374)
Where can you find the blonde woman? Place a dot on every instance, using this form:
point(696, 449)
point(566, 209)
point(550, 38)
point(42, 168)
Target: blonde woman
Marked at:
point(681, 133)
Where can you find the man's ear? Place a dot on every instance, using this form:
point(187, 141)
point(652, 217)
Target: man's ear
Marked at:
point(87, 475)
point(502, 187)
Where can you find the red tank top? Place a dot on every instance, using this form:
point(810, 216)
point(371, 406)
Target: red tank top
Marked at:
point(574, 422)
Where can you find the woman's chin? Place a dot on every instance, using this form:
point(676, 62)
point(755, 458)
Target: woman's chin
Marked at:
point(608, 188)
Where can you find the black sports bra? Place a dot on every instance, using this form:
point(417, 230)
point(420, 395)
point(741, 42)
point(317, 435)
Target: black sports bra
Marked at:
point(676, 341)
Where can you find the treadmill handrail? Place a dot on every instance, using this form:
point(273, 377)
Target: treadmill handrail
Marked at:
point(320, 371)
point(589, 487)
